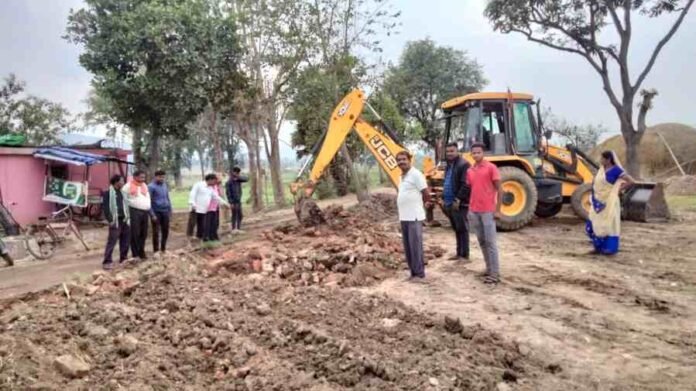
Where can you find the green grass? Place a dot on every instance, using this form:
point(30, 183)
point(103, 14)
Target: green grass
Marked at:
point(682, 203)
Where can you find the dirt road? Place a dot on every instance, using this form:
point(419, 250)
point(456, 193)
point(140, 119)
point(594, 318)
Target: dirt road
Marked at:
point(30, 275)
point(626, 322)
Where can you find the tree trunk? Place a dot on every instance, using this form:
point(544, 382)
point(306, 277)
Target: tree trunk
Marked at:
point(260, 176)
point(178, 180)
point(360, 188)
point(632, 141)
point(273, 155)
point(217, 146)
point(138, 153)
point(201, 161)
point(276, 173)
point(154, 154)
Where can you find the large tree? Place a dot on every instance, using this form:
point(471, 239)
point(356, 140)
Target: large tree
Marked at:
point(156, 61)
point(39, 120)
point(425, 77)
point(579, 27)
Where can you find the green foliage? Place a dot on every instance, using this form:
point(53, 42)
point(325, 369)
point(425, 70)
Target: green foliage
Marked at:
point(39, 120)
point(325, 189)
point(156, 63)
point(584, 136)
point(425, 77)
point(387, 109)
point(317, 91)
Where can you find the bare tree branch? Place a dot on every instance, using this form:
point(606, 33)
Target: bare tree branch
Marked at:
point(661, 44)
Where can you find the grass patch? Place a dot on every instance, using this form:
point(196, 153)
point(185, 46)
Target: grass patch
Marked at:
point(682, 203)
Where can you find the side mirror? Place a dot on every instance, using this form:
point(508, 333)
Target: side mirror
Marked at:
point(548, 134)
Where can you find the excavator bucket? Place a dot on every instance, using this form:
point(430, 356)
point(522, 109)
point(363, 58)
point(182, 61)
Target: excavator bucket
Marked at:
point(308, 212)
point(645, 202)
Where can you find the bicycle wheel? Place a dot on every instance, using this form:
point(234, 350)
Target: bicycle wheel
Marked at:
point(40, 243)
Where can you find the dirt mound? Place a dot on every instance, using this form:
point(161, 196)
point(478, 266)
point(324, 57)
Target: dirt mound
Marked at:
point(353, 247)
point(171, 325)
point(654, 156)
point(681, 185)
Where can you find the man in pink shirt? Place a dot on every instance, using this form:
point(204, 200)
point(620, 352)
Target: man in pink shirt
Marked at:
point(484, 206)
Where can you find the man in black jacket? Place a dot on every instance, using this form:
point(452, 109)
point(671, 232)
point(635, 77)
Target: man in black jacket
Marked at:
point(456, 199)
point(234, 197)
point(116, 213)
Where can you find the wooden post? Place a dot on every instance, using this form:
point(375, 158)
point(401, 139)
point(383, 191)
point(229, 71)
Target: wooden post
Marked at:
point(672, 154)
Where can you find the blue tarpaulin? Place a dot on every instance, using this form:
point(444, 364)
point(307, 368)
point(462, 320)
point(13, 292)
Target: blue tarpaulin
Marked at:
point(70, 156)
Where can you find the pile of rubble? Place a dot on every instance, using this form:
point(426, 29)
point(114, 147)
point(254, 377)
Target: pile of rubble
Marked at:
point(351, 248)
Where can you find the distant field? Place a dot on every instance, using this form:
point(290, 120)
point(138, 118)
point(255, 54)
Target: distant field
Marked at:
point(683, 203)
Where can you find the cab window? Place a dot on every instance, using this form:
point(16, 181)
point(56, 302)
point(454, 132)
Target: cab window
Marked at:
point(524, 129)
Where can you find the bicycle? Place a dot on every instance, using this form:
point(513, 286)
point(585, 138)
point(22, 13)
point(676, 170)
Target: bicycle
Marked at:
point(42, 239)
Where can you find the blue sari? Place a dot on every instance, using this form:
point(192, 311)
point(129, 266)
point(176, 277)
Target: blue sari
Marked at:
point(603, 226)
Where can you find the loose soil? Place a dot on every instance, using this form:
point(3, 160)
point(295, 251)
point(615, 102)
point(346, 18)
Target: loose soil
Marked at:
point(327, 308)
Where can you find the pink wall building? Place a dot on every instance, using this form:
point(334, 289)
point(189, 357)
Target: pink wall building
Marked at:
point(22, 179)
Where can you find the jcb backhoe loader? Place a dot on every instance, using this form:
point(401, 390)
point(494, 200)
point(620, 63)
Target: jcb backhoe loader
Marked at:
point(537, 178)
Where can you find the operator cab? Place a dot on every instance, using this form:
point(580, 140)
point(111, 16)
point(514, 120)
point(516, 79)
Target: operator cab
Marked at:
point(503, 122)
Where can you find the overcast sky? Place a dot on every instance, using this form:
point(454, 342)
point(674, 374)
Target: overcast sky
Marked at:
point(31, 47)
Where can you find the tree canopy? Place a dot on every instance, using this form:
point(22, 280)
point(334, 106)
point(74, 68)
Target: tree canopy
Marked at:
point(159, 63)
point(39, 120)
point(426, 76)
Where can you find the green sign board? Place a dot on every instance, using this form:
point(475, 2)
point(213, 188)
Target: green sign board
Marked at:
point(65, 192)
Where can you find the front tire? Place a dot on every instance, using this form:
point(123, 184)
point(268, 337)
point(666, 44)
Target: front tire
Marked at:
point(546, 211)
point(581, 200)
point(519, 199)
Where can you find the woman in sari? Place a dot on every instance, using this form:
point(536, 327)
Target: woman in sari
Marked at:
point(604, 224)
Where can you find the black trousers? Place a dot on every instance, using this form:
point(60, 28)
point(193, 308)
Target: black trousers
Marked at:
point(120, 235)
point(460, 224)
point(236, 215)
point(160, 231)
point(191, 225)
point(200, 225)
point(212, 223)
point(139, 222)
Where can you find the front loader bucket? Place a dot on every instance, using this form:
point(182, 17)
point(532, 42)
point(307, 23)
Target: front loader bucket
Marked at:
point(645, 202)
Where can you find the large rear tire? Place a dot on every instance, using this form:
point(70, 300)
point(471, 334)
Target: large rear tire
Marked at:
point(546, 211)
point(581, 200)
point(519, 199)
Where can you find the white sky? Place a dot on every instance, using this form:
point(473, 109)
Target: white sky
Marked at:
point(31, 47)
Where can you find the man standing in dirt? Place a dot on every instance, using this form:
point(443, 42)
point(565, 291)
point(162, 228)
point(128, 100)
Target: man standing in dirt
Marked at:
point(161, 212)
point(456, 200)
point(116, 213)
point(138, 200)
point(202, 195)
point(413, 197)
point(234, 197)
point(484, 207)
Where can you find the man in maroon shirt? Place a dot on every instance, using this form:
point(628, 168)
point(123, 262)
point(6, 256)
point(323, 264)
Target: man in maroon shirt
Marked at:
point(484, 206)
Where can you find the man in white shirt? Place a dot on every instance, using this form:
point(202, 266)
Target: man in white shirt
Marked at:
point(137, 196)
point(412, 200)
point(202, 193)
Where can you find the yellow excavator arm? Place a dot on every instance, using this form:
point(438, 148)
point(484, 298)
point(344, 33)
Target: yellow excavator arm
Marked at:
point(347, 116)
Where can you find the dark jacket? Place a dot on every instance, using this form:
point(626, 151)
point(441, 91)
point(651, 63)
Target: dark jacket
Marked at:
point(107, 209)
point(461, 188)
point(234, 189)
